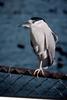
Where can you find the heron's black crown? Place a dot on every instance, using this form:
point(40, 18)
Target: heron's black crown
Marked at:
point(36, 19)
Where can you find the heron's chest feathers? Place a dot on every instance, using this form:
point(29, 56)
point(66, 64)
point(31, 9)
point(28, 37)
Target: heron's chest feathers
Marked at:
point(37, 34)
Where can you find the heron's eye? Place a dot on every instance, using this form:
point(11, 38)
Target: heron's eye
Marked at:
point(33, 21)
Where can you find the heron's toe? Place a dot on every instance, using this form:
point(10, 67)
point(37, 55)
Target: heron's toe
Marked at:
point(37, 71)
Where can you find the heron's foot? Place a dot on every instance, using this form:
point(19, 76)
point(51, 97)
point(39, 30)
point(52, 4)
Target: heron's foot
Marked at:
point(37, 71)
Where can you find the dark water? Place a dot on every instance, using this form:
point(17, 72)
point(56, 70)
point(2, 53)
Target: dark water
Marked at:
point(15, 12)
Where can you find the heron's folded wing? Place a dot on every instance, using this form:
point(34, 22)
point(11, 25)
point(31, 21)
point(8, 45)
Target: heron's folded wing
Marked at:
point(49, 45)
point(33, 47)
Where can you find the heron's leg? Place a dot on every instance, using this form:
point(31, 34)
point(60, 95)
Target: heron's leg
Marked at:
point(40, 69)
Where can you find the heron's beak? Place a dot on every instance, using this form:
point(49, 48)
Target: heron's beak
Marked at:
point(26, 25)
point(20, 25)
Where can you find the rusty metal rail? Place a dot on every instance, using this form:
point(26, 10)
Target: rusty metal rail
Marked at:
point(28, 71)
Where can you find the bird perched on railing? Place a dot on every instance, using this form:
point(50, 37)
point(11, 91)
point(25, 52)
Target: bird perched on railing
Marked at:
point(43, 40)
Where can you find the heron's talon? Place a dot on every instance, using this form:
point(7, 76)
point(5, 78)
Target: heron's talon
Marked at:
point(37, 71)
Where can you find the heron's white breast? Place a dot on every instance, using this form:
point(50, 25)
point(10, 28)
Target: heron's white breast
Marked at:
point(38, 36)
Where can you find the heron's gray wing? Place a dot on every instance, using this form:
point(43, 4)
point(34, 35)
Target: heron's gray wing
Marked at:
point(33, 43)
point(46, 61)
point(33, 47)
point(50, 47)
point(55, 37)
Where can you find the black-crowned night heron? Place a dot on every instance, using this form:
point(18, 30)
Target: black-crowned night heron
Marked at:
point(43, 41)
